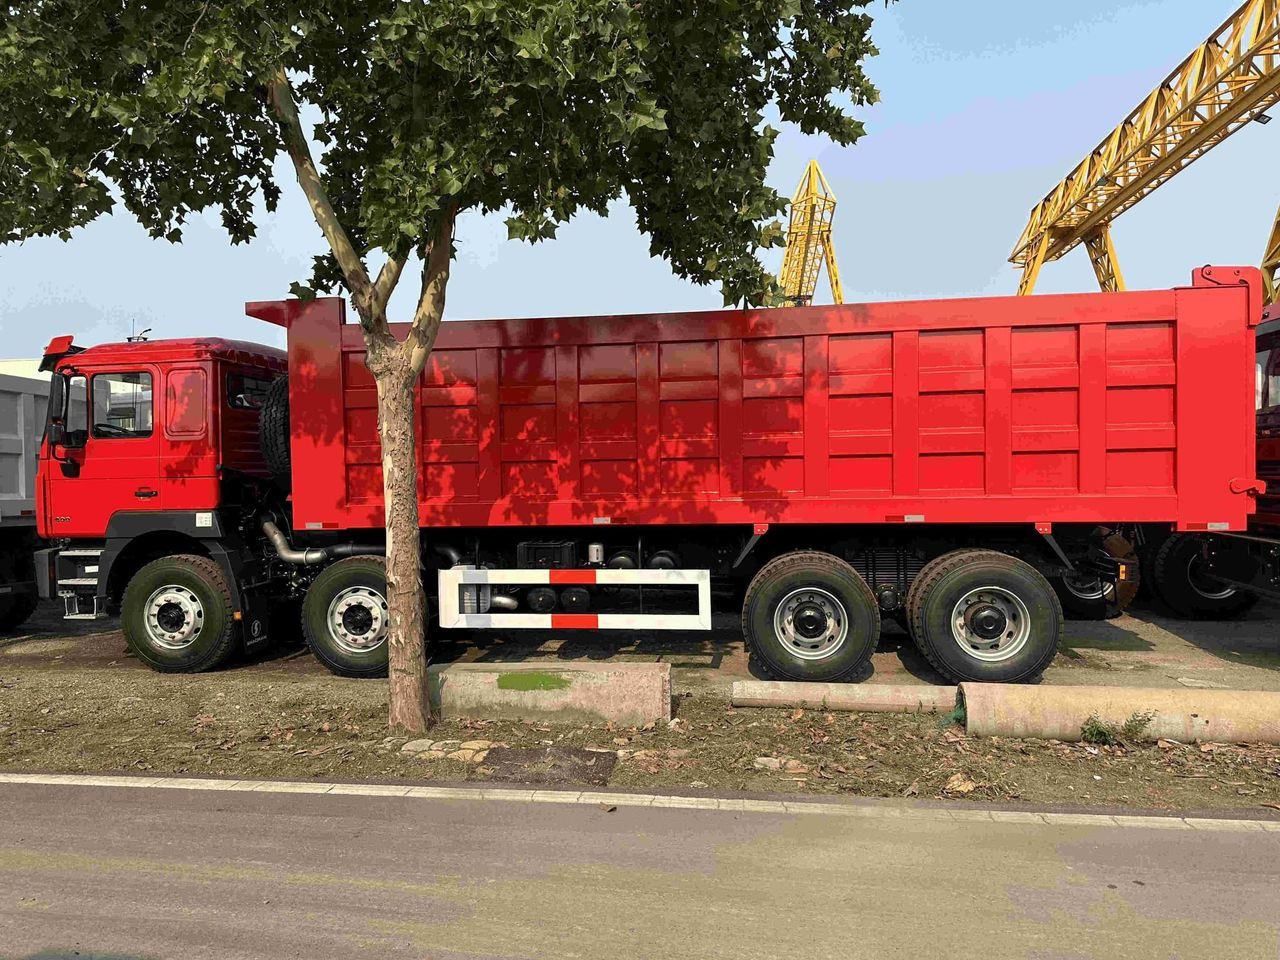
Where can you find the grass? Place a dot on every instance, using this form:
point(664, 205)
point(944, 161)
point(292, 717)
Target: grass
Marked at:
point(537, 680)
point(1097, 731)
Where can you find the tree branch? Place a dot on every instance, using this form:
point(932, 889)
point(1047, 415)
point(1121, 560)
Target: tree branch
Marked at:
point(435, 279)
point(388, 277)
point(295, 141)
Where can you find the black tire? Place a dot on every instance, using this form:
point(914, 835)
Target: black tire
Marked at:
point(199, 608)
point(16, 609)
point(364, 582)
point(1085, 599)
point(798, 657)
point(273, 433)
point(1187, 595)
point(1024, 604)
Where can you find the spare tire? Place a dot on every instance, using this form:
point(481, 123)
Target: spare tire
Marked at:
point(273, 433)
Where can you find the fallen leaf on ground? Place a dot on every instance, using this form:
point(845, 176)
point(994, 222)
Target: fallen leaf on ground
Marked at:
point(961, 784)
point(797, 713)
point(608, 807)
point(911, 791)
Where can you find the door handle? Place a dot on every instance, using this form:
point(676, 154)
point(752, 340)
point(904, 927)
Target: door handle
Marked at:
point(142, 493)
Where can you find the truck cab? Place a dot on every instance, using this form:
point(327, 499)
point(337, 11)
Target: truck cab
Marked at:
point(151, 451)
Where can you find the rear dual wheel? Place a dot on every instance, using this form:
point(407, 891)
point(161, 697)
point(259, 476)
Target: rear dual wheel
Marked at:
point(810, 616)
point(979, 615)
point(1087, 596)
point(1179, 580)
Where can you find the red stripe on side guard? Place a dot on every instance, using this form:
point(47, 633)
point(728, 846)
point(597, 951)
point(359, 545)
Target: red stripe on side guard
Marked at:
point(572, 576)
point(574, 621)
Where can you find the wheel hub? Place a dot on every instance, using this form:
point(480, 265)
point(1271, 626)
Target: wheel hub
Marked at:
point(990, 623)
point(986, 620)
point(810, 620)
point(173, 617)
point(811, 623)
point(358, 619)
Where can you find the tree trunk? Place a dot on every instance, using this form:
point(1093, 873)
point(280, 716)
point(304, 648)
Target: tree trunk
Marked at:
point(409, 704)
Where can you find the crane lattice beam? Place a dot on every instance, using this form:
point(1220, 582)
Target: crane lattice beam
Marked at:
point(809, 244)
point(1230, 79)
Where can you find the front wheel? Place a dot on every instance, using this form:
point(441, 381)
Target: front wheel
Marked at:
point(979, 615)
point(16, 609)
point(178, 615)
point(345, 617)
point(810, 616)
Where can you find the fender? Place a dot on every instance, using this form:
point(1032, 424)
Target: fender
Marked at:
point(126, 526)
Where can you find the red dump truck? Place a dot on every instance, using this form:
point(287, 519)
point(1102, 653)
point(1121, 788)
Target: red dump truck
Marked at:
point(964, 466)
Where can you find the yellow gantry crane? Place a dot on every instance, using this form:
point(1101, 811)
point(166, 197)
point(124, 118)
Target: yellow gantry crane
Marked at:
point(809, 240)
point(1230, 80)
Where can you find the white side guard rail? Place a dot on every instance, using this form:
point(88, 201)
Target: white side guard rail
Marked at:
point(451, 580)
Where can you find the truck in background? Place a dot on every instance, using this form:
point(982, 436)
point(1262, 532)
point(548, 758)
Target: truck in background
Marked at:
point(24, 395)
point(950, 464)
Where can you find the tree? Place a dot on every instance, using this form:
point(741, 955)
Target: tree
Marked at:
point(424, 109)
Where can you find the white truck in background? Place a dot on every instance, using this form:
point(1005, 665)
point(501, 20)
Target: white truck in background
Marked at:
point(24, 395)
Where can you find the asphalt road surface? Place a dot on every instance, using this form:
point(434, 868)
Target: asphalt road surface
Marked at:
point(100, 871)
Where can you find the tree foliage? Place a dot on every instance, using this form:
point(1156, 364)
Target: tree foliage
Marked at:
point(426, 108)
point(538, 108)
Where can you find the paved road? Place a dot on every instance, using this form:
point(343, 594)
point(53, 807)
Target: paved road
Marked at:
point(95, 871)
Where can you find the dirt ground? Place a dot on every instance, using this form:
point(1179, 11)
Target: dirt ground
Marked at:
point(72, 700)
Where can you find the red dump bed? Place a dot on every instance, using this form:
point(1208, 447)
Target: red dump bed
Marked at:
point(1081, 408)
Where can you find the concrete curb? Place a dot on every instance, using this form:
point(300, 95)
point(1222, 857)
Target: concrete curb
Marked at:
point(864, 697)
point(1058, 713)
point(864, 811)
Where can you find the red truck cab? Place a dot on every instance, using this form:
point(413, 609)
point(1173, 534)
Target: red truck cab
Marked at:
point(148, 442)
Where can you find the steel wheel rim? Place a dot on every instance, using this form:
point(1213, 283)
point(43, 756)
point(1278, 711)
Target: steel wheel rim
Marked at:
point(347, 623)
point(173, 617)
point(1200, 584)
point(979, 644)
point(811, 623)
point(1085, 587)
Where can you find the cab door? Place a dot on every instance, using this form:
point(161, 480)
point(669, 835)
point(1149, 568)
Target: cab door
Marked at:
point(111, 458)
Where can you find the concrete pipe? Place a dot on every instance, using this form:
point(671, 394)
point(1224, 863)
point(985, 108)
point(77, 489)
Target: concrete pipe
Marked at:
point(1058, 713)
point(863, 697)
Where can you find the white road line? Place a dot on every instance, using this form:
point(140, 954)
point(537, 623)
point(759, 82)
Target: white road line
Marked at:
point(596, 798)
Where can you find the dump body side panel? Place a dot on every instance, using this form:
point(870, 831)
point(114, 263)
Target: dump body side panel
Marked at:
point(1081, 408)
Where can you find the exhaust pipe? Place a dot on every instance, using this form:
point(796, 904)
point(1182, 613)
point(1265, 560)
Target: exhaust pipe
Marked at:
point(287, 553)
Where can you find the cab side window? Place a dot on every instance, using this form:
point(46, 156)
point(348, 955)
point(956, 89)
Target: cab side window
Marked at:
point(77, 430)
point(121, 406)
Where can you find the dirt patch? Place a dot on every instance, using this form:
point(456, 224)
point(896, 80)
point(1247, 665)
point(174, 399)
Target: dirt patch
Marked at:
point(78, 704)
point(549, 765)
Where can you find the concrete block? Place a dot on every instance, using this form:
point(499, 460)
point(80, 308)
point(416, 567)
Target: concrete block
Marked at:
point(862, 697)
point(628, 694)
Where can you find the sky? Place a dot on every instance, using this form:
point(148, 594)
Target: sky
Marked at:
point(985, 107)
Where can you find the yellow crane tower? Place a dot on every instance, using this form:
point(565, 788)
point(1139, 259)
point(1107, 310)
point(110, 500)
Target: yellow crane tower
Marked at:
point(1229, 80)
point(809, 243)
